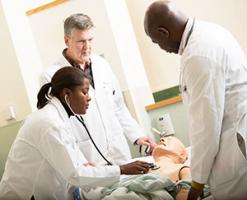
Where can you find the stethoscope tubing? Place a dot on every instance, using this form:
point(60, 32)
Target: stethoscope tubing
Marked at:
point(80, 119)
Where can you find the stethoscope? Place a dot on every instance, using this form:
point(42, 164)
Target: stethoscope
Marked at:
point(81, 120)
point(182, 89)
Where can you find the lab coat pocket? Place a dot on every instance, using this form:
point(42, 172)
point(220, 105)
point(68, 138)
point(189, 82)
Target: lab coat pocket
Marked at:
point(244, 64)
point(241, 135)
point(231, 162)
point(107, 92)
point(224, 165)
point(107, 88)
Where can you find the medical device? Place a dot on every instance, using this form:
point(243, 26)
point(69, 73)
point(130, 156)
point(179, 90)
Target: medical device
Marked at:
point(164, 124)
point(144, 152)
point(161, 134)
point(154, 167)
point(80, 119)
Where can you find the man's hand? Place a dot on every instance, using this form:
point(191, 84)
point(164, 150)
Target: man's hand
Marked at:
point(144, 140)
point(196, 191)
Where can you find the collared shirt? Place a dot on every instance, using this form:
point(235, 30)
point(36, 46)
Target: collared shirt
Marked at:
point(87, 68)
point(185, 36)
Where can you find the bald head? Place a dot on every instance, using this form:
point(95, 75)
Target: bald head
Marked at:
point(165, 24)
point(157, 13)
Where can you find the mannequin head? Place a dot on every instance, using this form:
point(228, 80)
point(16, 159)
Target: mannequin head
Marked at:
point(170, 147)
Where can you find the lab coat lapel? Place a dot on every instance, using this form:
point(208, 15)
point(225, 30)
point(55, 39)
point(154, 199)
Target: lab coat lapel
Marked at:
point(100, 96)
point(92, 93)
point(96, 74)
point(100, 78)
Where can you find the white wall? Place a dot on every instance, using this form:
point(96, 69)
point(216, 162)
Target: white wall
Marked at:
point(31, 4)
point(11, 83)
point(163, 68)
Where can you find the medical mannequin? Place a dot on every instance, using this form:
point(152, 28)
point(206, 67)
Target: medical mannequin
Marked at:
point(170, 155)
point(45, 158)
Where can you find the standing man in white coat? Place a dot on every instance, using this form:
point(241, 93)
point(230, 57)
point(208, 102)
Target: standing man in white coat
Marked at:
point(107, 118)
point(213, 81)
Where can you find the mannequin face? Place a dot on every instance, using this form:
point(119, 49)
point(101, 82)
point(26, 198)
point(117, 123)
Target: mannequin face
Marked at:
point(170, 147)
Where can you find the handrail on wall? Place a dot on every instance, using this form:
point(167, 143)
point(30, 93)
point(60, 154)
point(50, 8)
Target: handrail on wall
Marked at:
point(163, 103)
point(45, 6)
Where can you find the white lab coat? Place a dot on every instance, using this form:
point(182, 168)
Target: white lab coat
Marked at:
point(44, 159)
point(214, 88)
point(107, 118)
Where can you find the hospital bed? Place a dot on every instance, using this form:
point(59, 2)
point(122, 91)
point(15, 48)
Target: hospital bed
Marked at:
point(120, 191)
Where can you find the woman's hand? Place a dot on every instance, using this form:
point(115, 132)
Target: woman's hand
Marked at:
point(136, 167)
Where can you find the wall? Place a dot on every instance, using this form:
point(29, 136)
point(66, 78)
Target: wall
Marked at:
point(7, 136)
point(30, 4)
point(178, 118)
point(11, 82)
point(162, 68)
